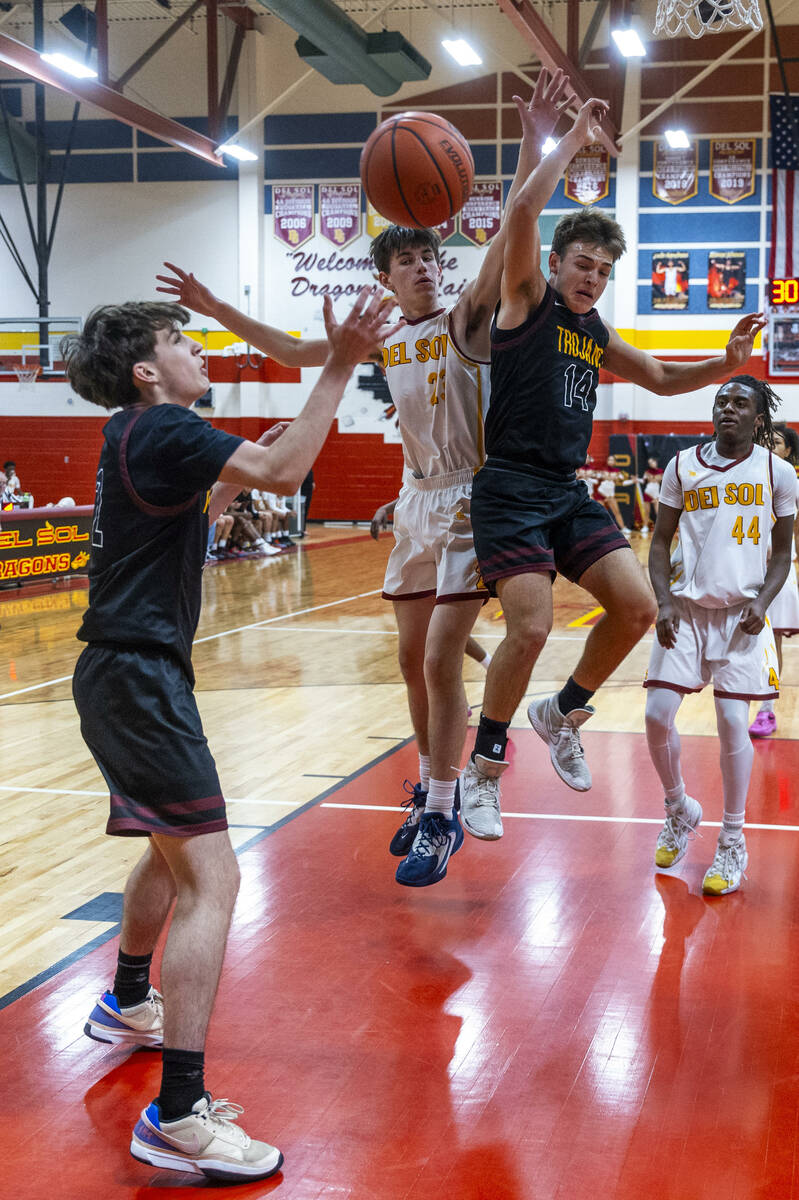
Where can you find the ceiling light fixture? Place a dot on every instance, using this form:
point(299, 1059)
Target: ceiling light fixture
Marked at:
point(462, 52)
point(629, 43)
point(70, 65)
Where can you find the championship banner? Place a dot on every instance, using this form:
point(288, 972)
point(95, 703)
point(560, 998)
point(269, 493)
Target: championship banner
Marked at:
point(375, 221)
point(44, 543)
point(726, 278)
point(732, 169)
point(293, 212)
point(670, 279)
point(340, 212)
point(588, 175)
point(481, 214)
point(446, 229)
point(675, 173)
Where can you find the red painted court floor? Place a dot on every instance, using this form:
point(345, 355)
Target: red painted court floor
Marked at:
point(553, 1020)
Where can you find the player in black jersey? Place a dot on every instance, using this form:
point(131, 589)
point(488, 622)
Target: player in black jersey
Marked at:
point(133, 687)
point(531, 515)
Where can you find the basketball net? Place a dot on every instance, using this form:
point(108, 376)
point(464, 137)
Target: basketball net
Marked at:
point(698, 17)
point(26, 377)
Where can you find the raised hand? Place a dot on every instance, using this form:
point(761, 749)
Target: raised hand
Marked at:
point(588, 122)
point(552, 96)
point(742, 339)
point(361, 335)
point(189, 291)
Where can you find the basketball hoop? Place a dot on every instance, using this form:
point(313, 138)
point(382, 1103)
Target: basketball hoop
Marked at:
point(26, 377)
point(698, 17)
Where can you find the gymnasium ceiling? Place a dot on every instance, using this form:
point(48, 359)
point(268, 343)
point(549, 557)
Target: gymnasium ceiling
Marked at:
point(174, 82)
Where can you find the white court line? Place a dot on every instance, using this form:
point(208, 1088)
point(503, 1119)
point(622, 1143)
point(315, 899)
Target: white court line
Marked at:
point(35, 687)
point(7, 787)
point(284, 617)
point(213, 636)
point(568, 817)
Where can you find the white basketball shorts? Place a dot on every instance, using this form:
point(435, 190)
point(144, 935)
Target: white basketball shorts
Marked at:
point(711, 646)
point(784, 610)
point(433, 551)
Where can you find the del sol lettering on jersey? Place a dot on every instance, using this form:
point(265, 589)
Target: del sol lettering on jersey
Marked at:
point(575, 346)
point(734, 493)
point(424, 350)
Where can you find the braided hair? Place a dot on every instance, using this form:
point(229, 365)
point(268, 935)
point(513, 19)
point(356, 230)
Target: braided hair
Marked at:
point(767, 403)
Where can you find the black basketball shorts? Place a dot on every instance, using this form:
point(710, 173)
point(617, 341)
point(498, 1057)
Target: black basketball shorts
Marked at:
point(524, 522)
point(139, 718)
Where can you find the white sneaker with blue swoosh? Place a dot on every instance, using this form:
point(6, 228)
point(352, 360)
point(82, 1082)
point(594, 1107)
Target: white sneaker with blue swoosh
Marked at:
point(205, 1142)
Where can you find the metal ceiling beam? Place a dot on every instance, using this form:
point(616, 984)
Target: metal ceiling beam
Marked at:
point(522, 14)
point(152, 50)
point(24, 59)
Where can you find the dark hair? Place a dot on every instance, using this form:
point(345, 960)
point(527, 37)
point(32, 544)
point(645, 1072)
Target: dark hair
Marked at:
point(589, 225)
point(10, 463)
point(791, 439)
point(401, 237)
point(100, 359)
point(767, 403)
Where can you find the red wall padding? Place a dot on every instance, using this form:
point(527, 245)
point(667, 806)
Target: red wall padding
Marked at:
point(354, 474)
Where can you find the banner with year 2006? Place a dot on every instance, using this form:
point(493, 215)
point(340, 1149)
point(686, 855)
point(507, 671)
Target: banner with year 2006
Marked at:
point(293, 211)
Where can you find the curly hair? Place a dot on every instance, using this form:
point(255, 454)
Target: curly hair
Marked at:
point(767, 403)
point(100, 359)
point(589, 225)
point(791, 439)
point(401, 237)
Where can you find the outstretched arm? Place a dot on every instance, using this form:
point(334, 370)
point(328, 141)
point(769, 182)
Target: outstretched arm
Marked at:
point(523, 285)
point(538, 117)
point(281, 467)
point(281, 346)
point(672, 378)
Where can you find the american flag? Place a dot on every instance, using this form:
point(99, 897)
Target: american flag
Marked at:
point(784, 258)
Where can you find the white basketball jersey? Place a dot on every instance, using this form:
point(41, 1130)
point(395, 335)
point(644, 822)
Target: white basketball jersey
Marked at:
point(441, 397)
point(724, 529)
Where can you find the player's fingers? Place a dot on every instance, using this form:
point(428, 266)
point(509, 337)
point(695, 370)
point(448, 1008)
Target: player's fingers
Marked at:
point(171, 267)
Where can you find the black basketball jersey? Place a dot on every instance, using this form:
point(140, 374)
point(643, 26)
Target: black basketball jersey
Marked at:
point(544, 376)
point(150, 528)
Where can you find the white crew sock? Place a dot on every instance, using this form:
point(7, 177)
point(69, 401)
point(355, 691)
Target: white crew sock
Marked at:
point(424, 771)
point(441, 797)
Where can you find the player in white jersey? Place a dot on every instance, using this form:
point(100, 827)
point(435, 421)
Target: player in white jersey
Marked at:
point(784, 612)
point(437, 372)
point(722, 499)
point(437, 369)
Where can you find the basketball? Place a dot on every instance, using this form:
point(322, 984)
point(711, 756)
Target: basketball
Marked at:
point(417, 169)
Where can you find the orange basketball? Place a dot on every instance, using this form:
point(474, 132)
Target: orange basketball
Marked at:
point(417, 169)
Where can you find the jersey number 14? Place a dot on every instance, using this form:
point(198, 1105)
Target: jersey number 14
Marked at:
point(577, 389)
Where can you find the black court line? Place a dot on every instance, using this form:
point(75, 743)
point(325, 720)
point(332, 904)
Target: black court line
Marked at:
point(103, 899)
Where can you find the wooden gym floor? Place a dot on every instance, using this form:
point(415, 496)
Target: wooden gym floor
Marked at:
point(552, 1020)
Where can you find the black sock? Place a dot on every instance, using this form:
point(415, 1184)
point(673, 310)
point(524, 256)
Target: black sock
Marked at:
point(572, 696)
point(132, 980)
point(492, 738)
point(182, 1082)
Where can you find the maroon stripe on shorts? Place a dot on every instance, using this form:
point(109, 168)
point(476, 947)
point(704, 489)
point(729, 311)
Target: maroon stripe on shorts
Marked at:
point(589, 550)
point(516, 559)
point(180, 817)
